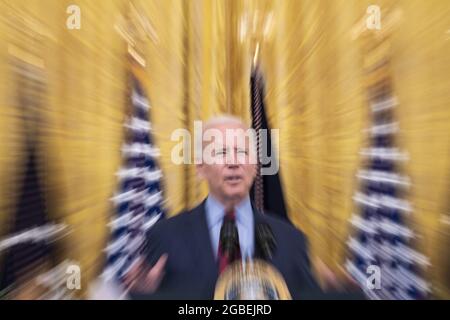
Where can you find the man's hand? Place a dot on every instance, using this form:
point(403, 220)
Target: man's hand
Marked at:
point(330, 281)
point(141, 279)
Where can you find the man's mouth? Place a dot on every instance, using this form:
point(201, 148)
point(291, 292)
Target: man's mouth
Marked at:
point(233, 178)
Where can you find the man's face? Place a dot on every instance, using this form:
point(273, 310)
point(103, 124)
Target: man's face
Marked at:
point(229, 162)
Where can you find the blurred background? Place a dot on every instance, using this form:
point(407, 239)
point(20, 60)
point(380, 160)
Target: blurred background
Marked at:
point(64, 94)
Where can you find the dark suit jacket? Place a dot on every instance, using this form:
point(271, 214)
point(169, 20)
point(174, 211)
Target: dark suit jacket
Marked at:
point(191, 270)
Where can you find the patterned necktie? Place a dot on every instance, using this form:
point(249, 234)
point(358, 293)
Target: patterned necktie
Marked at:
point(229, 248)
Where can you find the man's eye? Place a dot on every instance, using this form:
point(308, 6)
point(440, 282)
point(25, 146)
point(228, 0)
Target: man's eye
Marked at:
point(220, 153)
point(242, 152)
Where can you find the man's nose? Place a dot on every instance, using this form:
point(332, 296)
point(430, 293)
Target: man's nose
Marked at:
point(233, 160)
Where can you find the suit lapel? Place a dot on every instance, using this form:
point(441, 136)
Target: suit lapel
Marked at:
point(201, 246)
point(262, 218)
point(258, 218)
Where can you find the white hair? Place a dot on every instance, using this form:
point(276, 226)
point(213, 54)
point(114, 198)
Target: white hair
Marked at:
point(224, 119)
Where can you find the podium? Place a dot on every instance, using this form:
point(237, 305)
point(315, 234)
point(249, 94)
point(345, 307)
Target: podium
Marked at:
point(251, 280)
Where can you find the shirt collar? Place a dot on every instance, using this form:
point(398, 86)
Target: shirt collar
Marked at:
point(215, 211)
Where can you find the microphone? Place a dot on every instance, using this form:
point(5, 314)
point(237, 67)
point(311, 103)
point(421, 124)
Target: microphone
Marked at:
point(229, 238)
point(265, 240)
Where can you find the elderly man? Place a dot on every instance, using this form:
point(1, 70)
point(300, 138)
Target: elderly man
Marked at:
point(184, 256)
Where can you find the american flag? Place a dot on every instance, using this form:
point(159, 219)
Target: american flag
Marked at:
point(138, 202)
point(382, 234)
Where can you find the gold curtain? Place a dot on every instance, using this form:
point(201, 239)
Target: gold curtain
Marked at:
point(199, 65)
